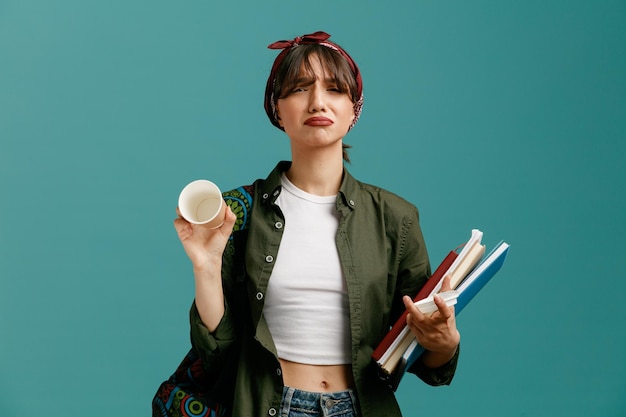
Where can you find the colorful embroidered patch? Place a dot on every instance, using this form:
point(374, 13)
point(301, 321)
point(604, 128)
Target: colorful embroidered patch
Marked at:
point(240, 202)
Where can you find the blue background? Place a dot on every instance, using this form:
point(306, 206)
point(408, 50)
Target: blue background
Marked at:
point(504, 115)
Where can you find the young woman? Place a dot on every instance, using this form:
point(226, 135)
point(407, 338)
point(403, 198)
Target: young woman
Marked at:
point(286, 321)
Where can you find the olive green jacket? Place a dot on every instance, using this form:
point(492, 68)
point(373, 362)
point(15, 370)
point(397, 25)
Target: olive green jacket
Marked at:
point(383, 257)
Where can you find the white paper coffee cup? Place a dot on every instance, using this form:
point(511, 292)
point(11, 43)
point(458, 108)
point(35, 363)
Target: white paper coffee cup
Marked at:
point(201, 202)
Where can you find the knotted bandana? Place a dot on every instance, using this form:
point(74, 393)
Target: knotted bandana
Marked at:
point(320, 38)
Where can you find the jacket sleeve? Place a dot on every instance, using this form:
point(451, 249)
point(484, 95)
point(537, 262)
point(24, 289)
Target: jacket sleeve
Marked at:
point(212, 347)
point(436, 376)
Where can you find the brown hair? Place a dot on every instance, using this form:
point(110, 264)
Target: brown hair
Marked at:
point(300, 58)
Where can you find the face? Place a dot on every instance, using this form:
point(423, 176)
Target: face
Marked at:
point(316, 113)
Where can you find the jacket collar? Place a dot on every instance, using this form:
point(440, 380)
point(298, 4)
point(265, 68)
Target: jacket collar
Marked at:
point(348, 190)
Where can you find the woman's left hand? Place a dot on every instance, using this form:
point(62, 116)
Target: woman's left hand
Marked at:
point(436, 332)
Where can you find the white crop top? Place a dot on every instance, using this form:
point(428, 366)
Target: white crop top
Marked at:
point(306, 304)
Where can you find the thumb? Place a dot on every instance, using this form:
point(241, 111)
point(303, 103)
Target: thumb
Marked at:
point(229, 219)
point(445, 285)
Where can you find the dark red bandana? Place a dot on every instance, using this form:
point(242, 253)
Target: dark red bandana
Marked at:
point(320, 38)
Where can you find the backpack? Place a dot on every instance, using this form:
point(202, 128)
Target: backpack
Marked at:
point(185, 392)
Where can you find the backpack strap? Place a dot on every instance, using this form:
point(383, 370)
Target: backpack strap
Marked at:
point(240, 202)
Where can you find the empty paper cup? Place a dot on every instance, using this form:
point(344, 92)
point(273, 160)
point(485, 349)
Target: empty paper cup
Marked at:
point(201, 202)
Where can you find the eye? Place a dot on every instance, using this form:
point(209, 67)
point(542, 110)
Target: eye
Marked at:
point(335, 88)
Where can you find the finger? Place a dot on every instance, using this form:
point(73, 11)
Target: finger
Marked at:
point(230, 217)
point(445, 285)
point(407, 301)
point(229, 222)
point(180, 223)
point(445, 310)
point(183, 228)
point(411, 309)
point(414, 318)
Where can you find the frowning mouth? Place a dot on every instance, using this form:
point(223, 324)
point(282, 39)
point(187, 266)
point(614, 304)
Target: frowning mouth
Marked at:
point(318, 121)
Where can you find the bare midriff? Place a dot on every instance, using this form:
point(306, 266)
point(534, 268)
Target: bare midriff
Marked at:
point(317, 378)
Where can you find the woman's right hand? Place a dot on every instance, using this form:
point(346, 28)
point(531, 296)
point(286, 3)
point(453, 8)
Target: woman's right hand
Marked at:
point(204, 246)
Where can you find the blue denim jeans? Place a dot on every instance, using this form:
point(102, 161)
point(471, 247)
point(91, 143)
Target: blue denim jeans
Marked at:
point(298, 403)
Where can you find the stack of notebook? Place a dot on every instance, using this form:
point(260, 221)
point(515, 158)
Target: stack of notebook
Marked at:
point(469, 270)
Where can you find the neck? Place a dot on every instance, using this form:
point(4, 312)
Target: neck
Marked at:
point(317, 175)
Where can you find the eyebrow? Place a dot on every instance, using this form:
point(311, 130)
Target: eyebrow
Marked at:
point(311, 80)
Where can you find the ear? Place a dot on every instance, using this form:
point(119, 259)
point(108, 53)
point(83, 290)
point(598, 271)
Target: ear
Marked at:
point(277, 114)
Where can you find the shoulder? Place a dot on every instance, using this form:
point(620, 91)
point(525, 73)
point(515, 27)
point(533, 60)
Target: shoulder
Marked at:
point(386, 196)
point(241, 199)
point(389, 202)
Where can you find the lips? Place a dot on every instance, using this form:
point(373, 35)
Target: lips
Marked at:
point(318, 121)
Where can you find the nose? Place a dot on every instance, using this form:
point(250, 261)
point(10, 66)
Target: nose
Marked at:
point(317, 99)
